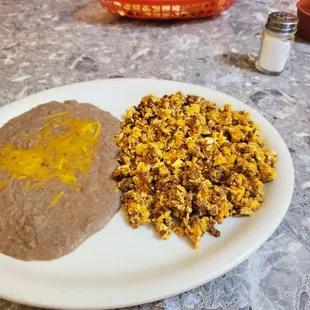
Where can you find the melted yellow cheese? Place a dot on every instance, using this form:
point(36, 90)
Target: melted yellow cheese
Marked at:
point(64, 147)
point(56, 198)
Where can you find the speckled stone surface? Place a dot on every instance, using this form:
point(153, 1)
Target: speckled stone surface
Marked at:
point(45, 44)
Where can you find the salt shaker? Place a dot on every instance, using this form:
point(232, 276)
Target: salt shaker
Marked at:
point(276, 44)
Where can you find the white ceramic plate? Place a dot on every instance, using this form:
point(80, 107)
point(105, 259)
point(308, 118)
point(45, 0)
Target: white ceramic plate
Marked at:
point(120, 266)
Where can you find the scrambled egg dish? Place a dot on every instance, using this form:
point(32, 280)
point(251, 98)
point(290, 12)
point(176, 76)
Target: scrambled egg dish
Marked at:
point(186, 165)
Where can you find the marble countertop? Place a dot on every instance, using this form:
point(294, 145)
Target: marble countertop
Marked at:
point(49, 43)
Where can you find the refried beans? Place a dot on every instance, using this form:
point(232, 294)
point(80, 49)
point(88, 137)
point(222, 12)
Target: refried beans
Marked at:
point(56, 189)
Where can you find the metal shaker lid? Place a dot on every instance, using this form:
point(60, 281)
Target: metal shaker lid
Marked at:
point(282, 22)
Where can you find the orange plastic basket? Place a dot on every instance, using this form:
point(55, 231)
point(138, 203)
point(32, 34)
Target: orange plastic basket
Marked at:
point(166, 9)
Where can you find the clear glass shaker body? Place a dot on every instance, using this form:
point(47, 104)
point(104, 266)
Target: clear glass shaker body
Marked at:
point(274, 52)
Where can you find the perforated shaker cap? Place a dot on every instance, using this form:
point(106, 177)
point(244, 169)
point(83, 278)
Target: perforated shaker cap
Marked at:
point(282, 22)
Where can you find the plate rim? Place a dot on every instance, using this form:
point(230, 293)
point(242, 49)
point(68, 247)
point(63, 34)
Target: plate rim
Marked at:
point(204, 279)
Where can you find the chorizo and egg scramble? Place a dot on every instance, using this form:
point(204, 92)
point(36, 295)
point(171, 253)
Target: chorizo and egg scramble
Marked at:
point(185, 165)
